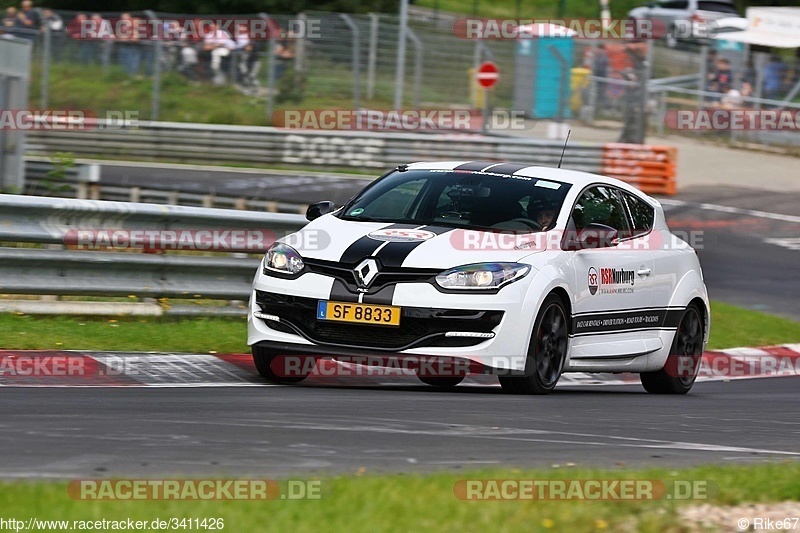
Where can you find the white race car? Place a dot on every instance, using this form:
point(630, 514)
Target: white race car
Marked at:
point(510, 269)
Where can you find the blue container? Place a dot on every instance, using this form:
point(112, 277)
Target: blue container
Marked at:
point(542, 82)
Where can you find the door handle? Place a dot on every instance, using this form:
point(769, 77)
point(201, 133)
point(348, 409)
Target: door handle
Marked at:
point(644, 272)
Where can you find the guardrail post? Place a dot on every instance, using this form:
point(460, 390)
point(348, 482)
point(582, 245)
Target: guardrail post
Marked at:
point(46, 47)
point(356, 60)
point(703, 74)
point(417, 64)
point(300, 48)
point(373, 54)
point(156, 43)
point(270, 67)
point(400, 73)
point(760, 65)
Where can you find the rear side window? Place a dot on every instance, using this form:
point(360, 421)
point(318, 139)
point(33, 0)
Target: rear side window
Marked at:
point(719, 7)
point(642, 214)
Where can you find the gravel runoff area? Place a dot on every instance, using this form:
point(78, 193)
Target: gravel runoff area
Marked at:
point(784, 516)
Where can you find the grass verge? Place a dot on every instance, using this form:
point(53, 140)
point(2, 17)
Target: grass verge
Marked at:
point(731, 327)
point(404, 502)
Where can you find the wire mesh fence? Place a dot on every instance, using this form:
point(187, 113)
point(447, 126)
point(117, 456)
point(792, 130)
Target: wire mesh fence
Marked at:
point(322, 60)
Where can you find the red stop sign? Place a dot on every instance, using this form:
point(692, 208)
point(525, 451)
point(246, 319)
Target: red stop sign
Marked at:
point(487, 74)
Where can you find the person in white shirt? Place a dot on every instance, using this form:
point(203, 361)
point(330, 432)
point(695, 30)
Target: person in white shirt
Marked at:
point(219, 44)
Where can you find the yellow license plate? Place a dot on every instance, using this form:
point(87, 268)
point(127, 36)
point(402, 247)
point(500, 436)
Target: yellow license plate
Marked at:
point(377, 315)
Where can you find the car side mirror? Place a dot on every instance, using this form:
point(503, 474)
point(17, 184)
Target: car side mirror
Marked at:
point(591, 237)
point(318, 209)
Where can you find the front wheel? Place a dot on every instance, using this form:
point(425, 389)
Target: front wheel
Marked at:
point(683, 363)
point(265, 362)
point(547, 351)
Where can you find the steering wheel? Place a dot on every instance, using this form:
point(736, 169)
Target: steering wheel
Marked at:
point(532, 224)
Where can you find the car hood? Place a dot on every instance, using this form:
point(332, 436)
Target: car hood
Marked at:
point(330, 238)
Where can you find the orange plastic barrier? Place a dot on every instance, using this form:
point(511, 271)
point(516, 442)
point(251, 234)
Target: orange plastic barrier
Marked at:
point(650, 168)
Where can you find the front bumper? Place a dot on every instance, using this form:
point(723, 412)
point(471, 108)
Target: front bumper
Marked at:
point(282, 317)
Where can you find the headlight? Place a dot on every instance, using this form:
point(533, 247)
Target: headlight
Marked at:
point(482, 276)
point(282, 258)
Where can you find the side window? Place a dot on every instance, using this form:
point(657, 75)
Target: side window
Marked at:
point(599, 205)
point(642, 215)
point(678, 4)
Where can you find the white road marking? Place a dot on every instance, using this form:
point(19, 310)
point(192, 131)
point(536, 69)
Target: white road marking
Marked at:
point(791, 243)
point(733, 210)
point(461, 431)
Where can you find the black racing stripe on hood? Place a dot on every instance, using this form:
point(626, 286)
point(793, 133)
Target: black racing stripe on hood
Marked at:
point(394, 253)
point(366, 246)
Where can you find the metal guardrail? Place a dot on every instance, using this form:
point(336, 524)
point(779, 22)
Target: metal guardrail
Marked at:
point(76, 184)
point(31, 270)
point(254, 145)
point(35, 219)
point(251, 145)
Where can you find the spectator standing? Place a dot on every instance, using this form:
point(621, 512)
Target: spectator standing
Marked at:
point(218, 44)
point(128, 53)
point(75, 32)
point(774, 73)
point(284, 53)
point(10, 22)
point(722, 79)
point(600, 70)
point(105, 38)
point(31, 13)
point(53, 22)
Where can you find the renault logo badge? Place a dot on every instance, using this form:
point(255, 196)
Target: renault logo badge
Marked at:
point(365, 272)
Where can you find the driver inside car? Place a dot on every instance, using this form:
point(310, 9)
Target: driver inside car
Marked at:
point(544, 213)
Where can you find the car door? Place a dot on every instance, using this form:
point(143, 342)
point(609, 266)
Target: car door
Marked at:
point(613, 285)
point(661, 279)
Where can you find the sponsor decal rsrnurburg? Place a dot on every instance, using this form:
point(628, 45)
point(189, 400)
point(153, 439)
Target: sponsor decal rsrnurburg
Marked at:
point(608, 277)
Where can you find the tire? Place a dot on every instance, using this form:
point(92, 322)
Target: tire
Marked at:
point(441, 382)
point(547, 351)
point(683, 362)
point(263, 358)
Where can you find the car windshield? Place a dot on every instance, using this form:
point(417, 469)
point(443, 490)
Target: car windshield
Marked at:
point(463, 199)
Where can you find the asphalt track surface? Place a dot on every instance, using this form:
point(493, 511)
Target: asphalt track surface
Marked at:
point(294, 430)
point(749, 244)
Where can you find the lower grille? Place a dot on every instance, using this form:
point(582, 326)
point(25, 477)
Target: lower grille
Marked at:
point(418, 326)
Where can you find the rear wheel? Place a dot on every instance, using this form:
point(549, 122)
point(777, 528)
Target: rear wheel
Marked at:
point(547, 351)
point(683, 363)
point(265, 363)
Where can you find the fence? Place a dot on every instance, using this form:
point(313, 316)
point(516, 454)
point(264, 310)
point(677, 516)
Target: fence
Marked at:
point(25, 221)
point(201, 143)
point(351, 61)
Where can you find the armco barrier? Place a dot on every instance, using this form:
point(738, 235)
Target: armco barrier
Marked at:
point(26, 270)
point(649, 167)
